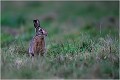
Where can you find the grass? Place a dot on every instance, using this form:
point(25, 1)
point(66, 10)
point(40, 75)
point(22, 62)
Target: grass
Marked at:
point(76, 47)
point(84, 58)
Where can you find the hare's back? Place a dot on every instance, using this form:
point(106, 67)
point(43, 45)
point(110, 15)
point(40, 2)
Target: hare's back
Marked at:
point(31, 46)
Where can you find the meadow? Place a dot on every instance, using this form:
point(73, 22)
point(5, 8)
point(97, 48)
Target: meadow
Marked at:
point(82, 41)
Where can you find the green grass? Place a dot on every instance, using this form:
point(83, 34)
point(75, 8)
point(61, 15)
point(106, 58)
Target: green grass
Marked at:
point(71, 59)
point(76, 47)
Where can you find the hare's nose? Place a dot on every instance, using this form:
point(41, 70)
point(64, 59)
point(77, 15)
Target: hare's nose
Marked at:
point(44, 32)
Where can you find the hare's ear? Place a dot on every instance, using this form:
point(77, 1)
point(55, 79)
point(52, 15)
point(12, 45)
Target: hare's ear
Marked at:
point(36, 23)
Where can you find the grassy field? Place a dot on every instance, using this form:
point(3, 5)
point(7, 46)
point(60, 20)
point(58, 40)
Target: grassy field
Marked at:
point(82, 41)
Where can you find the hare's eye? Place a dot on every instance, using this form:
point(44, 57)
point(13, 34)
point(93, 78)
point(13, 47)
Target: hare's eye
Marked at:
point(40, 29)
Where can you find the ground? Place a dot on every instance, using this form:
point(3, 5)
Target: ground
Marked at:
point(82, 41)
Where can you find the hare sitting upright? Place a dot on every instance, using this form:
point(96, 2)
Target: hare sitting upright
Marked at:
point(37, 44)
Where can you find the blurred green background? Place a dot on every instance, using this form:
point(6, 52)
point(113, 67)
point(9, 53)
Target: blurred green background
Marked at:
point(82, 28)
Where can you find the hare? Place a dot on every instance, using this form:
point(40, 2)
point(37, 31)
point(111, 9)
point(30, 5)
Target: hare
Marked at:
point(37, 44)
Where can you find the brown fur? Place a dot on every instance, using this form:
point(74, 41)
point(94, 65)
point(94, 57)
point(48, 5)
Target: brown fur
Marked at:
point(39, 45)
